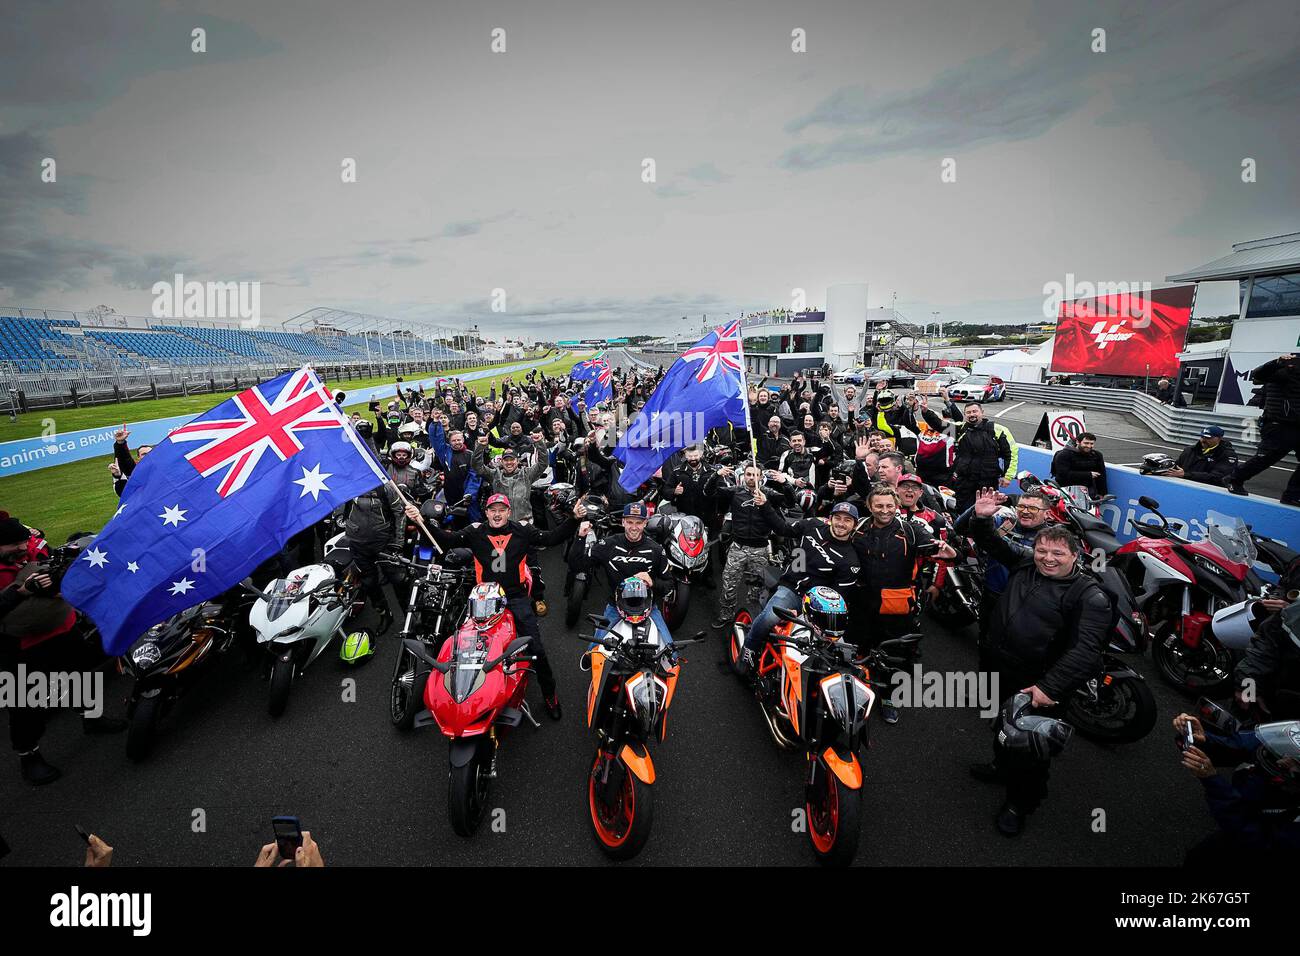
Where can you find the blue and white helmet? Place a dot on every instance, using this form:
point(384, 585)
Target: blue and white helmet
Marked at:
point(826, 609)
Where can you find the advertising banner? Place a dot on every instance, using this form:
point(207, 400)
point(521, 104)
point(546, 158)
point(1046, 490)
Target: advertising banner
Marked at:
point(1254, 342)
point(1184, 503)
point(1137, 332)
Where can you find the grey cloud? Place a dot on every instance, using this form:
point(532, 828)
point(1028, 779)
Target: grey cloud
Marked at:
point(708, 173)
point(987, 99)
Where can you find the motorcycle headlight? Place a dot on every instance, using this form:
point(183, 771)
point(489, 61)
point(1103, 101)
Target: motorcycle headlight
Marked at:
point(146, 655)
point(645, 695)
point(1205, 564)
point(847, 696)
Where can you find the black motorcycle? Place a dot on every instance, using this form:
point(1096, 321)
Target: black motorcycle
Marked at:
point(171, 657)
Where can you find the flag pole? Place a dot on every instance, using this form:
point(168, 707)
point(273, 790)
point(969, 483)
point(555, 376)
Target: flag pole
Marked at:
point(419, 519)
point(744, 395)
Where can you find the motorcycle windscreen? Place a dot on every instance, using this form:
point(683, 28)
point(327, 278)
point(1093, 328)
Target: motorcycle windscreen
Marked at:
point(466, 674)
point(1230, 535)
point(281, 597)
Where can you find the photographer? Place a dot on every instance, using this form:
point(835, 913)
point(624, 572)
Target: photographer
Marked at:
point(1279, 425)
point(1258, 807)
point(38, 632)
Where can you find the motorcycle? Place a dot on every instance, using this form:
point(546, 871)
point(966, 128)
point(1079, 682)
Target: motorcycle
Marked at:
point(815, 695)
point(297, 617)
point(957, 605)
point(686, 545)
point(634, 675)
point(1179, 585)
point(435, 607)
point(477, 686)
point(170, 658)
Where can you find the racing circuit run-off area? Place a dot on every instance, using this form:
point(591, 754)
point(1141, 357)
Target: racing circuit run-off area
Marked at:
point(501, 461)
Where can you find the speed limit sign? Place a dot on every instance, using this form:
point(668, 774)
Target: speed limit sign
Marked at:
point(1064, 428)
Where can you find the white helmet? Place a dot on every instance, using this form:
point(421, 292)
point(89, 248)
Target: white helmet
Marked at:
point(397, 446)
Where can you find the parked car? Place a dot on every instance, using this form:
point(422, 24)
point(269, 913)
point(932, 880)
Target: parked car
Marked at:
point(978, 388)
point(850, 376)
point(947, 377)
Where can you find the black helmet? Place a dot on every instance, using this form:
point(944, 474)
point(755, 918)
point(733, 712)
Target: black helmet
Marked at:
point(1018, 729)
point(561, 496)
point(364, 428)
point(633, 600)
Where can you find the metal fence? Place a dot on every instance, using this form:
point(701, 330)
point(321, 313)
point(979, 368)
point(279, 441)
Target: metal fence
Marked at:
point(32, 389)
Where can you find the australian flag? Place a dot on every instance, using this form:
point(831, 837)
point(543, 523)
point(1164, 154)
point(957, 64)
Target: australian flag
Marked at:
point(702, 391)
point(215, 499)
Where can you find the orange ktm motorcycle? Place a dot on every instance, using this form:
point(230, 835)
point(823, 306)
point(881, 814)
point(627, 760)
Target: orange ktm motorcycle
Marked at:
point(815, 692)
point(634, 670)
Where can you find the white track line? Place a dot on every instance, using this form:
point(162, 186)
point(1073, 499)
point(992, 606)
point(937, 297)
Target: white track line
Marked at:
point(1011, 409)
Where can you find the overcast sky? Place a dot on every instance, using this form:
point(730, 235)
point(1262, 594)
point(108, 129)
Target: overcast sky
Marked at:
point(523, 170)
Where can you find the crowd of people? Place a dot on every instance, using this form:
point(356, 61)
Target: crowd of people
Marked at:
point(872, 493)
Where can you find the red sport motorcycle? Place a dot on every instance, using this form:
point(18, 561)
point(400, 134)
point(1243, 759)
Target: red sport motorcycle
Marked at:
point(1179, 584)
point(476, 688)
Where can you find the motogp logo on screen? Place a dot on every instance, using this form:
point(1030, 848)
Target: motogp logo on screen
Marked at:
point(1102, 335)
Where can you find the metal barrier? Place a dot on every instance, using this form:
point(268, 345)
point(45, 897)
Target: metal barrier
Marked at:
point(1176, 425)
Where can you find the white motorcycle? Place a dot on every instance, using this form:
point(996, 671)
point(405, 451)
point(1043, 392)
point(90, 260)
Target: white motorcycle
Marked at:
point(296, 617)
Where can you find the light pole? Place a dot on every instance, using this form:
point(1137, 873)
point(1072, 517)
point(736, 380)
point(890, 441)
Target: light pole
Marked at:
point(931, 340)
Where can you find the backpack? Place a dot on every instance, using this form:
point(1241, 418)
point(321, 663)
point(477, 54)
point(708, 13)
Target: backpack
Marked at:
point(1073, 603)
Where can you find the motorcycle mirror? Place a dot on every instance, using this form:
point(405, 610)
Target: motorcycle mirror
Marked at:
point(1027, 477)
point(517, 645)
point(421, 652)
point(599, 620)
point(1149, 503)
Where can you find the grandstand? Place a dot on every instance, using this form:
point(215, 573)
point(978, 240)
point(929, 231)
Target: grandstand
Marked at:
point(51, 358)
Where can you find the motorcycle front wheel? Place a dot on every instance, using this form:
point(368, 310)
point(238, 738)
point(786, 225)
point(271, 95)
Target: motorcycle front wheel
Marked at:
point(281, 681)
point(407, 694)
point(834, 812)
point(622, 808)
point(1203, 671)
point(143, 728)
point(675, 611)
point(1124, 711)
point(573, 609)
point(467, 790)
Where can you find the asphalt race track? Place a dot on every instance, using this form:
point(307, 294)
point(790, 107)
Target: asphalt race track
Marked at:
point(725, 795)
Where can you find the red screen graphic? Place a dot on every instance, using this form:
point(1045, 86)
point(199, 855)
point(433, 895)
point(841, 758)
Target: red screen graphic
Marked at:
point(1124, 334)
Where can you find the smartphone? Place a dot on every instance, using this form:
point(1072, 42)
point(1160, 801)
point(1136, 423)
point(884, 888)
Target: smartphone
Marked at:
point(82, 833)
point(288, 835)
point(1188, 739)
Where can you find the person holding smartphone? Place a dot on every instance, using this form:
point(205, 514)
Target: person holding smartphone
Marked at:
point(1257, 808)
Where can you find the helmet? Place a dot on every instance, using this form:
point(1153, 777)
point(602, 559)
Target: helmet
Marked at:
point(357, 646)
point(825, 609)
point(1157, 462)
point(807, 500)
point(409, 430)
point(560, 497)
point(365, 429)
point(633, 600)
point(399, 447)
point(885, 399)
point(1279, 750)
point(1018, 729)
point(487, 605)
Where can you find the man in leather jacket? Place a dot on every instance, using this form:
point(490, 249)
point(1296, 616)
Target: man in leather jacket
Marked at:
point(1046, 638)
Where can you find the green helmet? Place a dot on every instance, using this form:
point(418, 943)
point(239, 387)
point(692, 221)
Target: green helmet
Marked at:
point(357, 646)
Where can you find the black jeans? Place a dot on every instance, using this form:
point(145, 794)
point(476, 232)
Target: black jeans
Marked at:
point(1276, 439)
point(27, 724)
point(1025, 775)
point(372, 574)
point(526, 624)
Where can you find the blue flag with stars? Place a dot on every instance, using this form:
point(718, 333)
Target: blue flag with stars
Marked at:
point(701, 391)
point(214, 500)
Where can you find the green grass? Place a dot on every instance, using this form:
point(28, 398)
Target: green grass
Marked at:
point(79, 496)
point(72, 419)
